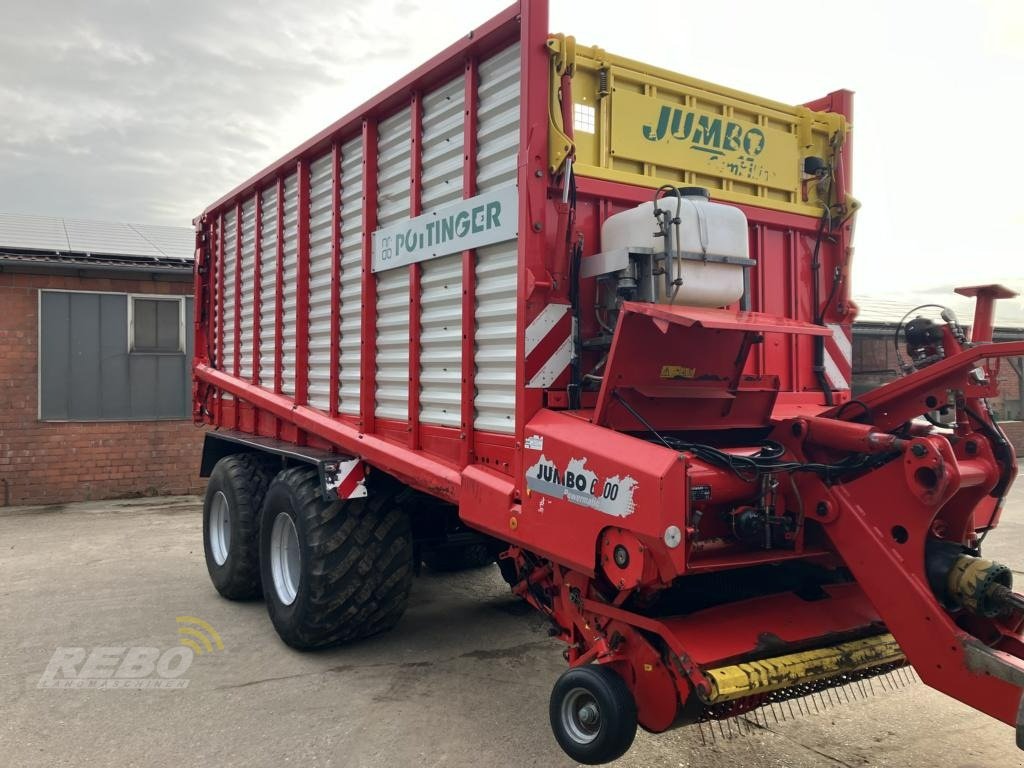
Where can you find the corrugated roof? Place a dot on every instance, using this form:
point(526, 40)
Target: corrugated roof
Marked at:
point(52, 236)
point(890, 308)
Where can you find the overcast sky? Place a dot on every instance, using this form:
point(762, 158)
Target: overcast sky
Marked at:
point(148, 111)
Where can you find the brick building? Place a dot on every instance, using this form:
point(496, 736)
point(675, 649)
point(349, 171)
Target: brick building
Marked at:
point(874, 351)
point(95, 368)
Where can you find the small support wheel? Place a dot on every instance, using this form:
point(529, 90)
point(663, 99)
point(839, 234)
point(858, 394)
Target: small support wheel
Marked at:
point(593, 714)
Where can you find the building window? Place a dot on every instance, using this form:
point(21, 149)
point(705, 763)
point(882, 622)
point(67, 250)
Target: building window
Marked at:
point(88, 373)
point(156, 325)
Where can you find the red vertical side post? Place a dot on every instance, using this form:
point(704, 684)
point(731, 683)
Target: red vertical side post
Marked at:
point(206, 250)
point(368, 321)
point(469, 128)
point(302, 287)
point(199, 353)
point(415, 270)
point(220, 312)
point(335, 352)
point(279, 294)
point(533, 178)
point(236, 352)
point(220, 292)
point(257, 288)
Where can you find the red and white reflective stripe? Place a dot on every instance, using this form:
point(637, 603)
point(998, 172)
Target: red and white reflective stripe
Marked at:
point(549, 347)
point(838, 359)
point(349, 482)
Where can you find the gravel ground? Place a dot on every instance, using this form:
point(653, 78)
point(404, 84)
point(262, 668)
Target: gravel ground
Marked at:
point(463, 681)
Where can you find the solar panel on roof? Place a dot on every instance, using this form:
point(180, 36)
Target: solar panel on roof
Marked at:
point(52, 235)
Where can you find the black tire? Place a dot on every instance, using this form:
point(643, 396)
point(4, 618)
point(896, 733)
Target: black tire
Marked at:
point(584, 739)
point(355, 562)
point(464, 558)
point(242, 480)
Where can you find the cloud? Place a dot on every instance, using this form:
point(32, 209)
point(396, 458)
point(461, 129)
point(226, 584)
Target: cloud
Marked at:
point(142, 110)
point(148, 111)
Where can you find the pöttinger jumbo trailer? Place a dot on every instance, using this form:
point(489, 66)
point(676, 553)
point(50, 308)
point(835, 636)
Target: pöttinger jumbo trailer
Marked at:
point(540, 303)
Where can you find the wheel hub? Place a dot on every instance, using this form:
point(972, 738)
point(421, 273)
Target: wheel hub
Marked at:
point(589, 715)
point(219, 528)
point(581, 717)
point(285, 558)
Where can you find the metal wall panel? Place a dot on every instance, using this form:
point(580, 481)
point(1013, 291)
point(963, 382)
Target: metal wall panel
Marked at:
point(86, 372)
point(320, 217)
point(393, 170)
point(229, 292)
point(498, 120)
point(215, 245)
point(290, 280)
point(441, 279)
point(443, 118)
point(248, 286)
point(351, 274)
point(441, 341)
point(496, 265)
point(268, 285)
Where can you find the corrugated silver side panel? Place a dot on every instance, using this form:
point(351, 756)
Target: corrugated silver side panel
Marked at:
point(443, 118)
point(290, 283)
point(351, 274)
point(229, 291)
point(495, 354)
point(497, 155)
point(268, 285)
point(497, 132)
point(214, 233)
point(441, 341)
point(441, 279)
point(393, 167)
point(320, 282)
point(248, 286)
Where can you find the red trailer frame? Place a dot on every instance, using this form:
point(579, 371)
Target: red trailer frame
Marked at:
point(777, 367)
point(430, 457)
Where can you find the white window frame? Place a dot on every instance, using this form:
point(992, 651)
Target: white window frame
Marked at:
point(131, 322)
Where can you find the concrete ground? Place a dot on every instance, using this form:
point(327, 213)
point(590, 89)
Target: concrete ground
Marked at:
point(463, 681)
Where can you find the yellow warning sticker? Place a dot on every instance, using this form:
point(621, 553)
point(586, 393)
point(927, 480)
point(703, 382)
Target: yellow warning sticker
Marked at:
point(678, 372)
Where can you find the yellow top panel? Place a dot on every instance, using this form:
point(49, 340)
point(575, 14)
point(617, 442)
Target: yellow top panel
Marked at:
point(647, 126)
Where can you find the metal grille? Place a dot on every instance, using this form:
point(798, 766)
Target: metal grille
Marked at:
point(268, 285)
point(320, 178)
point(496, 265)
point(393, 169)
point(290, 278)
point(228, 359)
point(441, 279)
point(351, 273)
point(248, 286)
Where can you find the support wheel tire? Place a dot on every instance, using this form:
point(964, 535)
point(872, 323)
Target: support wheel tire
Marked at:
point(464, 558)
point(231, 510)
point(593, 714)
point(333, 571)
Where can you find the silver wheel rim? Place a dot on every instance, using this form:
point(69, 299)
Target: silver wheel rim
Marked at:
point(285, 558)
point(581, 717)
point(219, 528)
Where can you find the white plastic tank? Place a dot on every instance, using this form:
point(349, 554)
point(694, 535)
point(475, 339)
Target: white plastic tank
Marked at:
point(706, 229)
